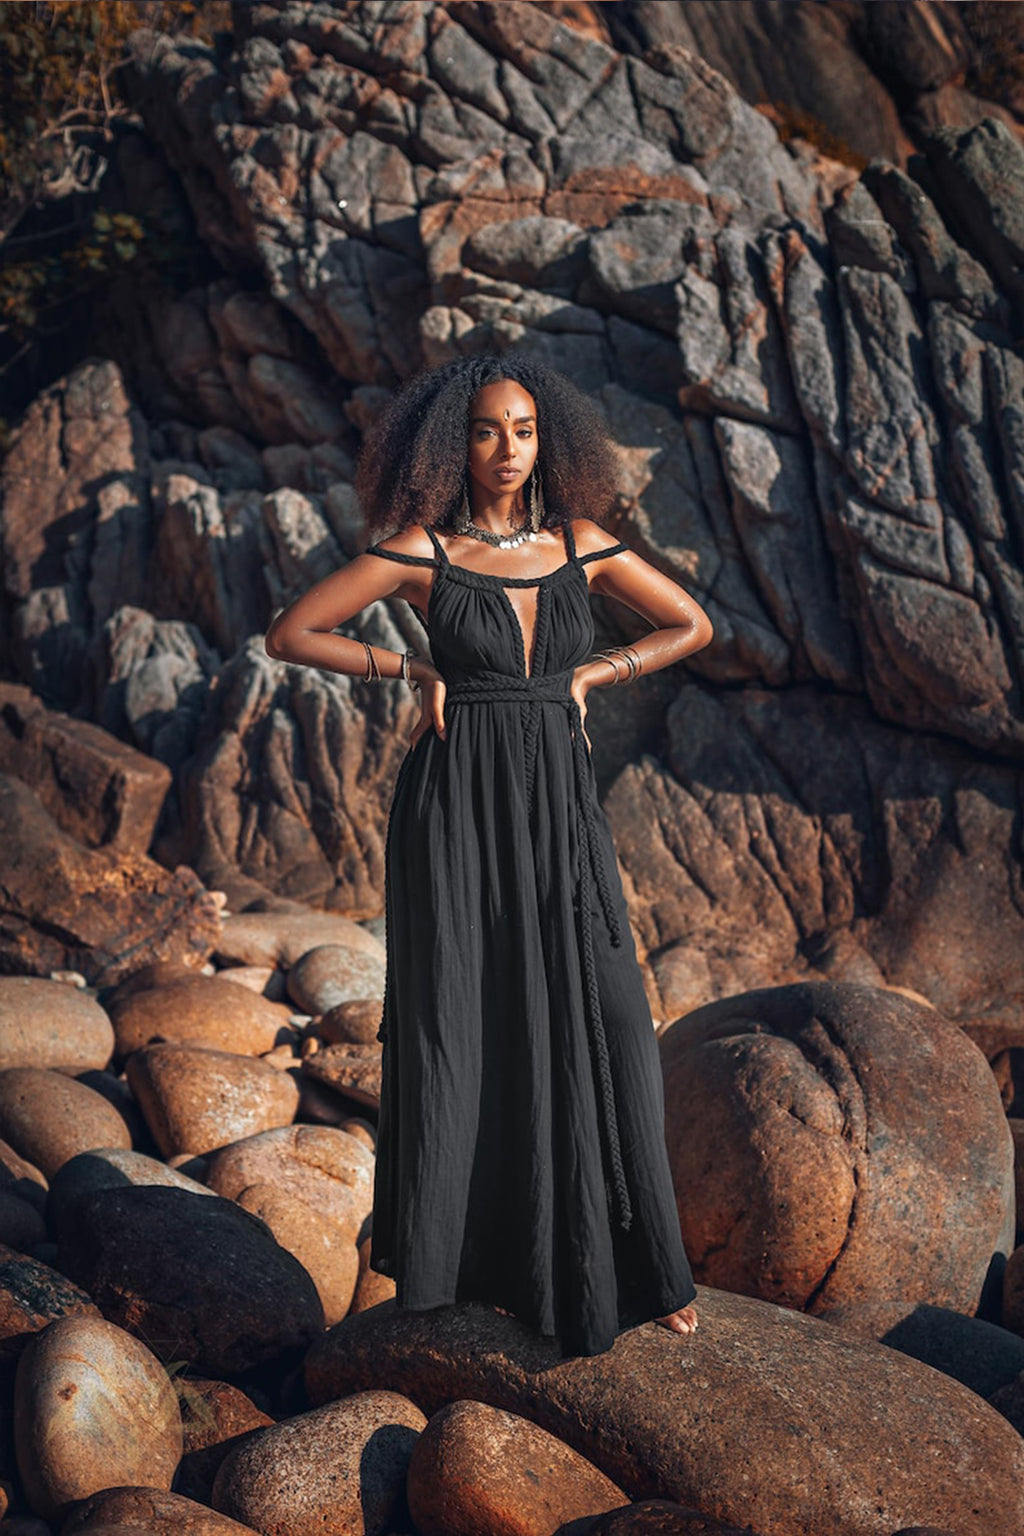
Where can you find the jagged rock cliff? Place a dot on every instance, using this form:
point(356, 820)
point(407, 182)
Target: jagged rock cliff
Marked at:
point(815, 378)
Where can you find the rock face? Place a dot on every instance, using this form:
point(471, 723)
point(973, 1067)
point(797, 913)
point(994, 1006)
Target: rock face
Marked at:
point(810, 368)
point(338, 1469)
point(93, 1409)
point(870, 1440)
point(48, 1024)
point(813, 1169)
point(196, 1276)
point(98, 789)
point(99, 911)
point(475, 1469)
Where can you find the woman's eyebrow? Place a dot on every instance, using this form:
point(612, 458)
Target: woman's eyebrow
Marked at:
point(492, 421)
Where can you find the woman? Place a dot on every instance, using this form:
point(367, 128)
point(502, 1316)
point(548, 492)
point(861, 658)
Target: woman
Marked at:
point(521, 1158)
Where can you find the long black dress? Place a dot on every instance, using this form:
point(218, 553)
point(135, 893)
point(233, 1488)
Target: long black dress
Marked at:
point(521, 1157)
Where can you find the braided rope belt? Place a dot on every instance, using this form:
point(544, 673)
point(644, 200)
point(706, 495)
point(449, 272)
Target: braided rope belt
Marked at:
point(497, 688)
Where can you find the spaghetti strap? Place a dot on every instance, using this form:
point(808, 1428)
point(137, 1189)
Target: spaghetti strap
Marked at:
point(437, 545)
point(600, 554)
point(393, 554)
point(570, 542)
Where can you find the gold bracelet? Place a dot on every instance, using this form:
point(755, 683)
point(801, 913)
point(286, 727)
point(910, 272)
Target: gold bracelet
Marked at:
point(372, 674)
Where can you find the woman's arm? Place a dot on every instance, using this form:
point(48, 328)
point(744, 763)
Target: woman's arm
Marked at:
point(302, 631)
point(681, 626)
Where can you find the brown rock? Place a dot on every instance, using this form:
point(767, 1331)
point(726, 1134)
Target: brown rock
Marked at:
point(196, 1100)
point(147, 1509)
point(1009, 1401)
point(98, 911)
point(331, 974)
point(353, 1070)
point(1013, 1293)
point(158, 973)
point(264, 980)
point(475, 1469)
point(810, 1168)
point(1017, 1132)
point(371, 1287)
point(93, 1409)
point(200, 1011)
point(31, 1297)
point(215, 1416)
point(870, 1439)
point(354, 1023)
point(347, 1466)
point(49, 1024)
point(281, 938)
point(48, 1117)
point(97, 788)
point(200, 1279)
point(313, 1186)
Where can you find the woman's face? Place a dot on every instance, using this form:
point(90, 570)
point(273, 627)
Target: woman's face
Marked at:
point(502, 437)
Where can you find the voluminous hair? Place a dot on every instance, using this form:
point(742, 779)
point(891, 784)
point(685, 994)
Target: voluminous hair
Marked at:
point(413, 459)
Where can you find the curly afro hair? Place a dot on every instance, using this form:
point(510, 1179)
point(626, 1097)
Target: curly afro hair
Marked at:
point(413, 458)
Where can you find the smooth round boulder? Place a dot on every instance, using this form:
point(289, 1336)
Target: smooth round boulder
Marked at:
point(339, 1469)
point(147, 1509)
point(203, 1010)
point(477, 1469)
point(93, 1409)
point(354, 1023)
point(313, 1186)
point(21, 1224)
point(48, 1117)
point(281, 938)
point(868, 1438)
point(832, 1144)
point(196, 1100)
point(331, 974)
point(197, 1277)
point(50, 1024)
point(110, 1168)
point(32, 1296)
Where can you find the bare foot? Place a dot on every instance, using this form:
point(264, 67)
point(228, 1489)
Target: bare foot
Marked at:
point(683, 1321)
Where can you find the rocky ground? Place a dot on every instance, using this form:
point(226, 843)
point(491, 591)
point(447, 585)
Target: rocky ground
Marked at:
point(812, 372)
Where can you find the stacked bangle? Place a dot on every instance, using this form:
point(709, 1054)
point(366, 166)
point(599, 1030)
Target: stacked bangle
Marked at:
point(373, 672)
point(621, 653)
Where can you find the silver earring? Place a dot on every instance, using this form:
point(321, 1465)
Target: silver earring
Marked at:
point(463, 516)
point(536, 500)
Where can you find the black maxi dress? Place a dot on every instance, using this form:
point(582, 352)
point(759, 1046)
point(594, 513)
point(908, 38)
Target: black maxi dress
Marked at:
point(521, 1156)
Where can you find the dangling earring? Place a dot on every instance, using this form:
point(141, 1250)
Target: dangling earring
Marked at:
point(535, 500)
point(463, 516)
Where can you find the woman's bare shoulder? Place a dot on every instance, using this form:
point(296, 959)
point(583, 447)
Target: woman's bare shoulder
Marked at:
point(414, 540)
point(590, 536)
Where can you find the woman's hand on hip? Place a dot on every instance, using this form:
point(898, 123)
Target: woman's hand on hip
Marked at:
point(433, 691)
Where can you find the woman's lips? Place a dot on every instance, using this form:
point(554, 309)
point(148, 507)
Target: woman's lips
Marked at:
point(507, 474)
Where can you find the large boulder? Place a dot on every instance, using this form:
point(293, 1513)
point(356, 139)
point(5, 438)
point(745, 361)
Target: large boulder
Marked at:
point(338, 1469)
point(313, 1186)
point(93, 1409)
point(833, 1144)
point(196, 1276)
point(476, 1469)
point(196, 1099)
point(48, 1118)
point(46, 1023)
point(811, 1429)
point(147, 1510)
point(202, 1010)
